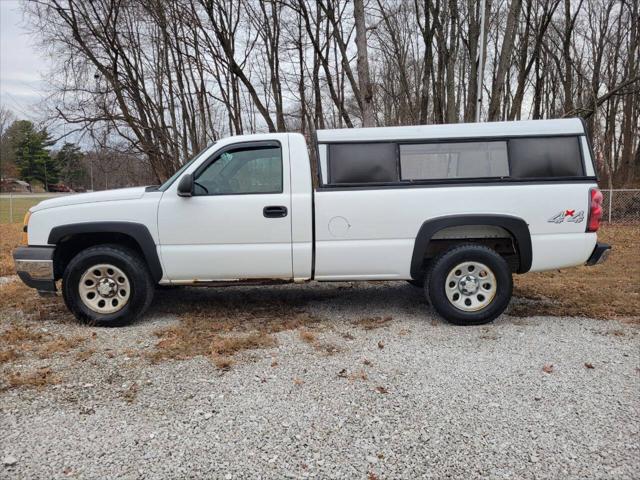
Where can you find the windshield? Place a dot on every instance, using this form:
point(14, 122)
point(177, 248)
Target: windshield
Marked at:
point(175, 176)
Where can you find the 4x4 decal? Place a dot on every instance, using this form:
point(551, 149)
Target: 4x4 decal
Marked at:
point(567, 216)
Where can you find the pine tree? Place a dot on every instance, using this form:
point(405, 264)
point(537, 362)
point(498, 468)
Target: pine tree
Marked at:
point(30, 147)
point(69, 161)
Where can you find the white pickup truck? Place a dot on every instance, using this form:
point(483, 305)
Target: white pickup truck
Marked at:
point(453, 209)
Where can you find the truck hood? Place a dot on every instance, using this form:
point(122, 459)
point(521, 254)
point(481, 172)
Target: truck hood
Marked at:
point(104, 196)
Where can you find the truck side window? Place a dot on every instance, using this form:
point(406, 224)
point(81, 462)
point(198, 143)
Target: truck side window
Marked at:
point(430, 161)
point(362, 163)
point(242, 171)
point(545, 157)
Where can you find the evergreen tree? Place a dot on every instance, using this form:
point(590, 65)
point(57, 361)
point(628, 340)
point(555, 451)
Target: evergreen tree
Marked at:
point(69, 161)
point(31, 153)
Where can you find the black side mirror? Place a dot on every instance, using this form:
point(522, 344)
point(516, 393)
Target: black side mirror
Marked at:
point(185, 187)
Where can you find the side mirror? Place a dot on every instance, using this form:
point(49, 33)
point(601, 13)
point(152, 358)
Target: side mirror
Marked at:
point(185, 187)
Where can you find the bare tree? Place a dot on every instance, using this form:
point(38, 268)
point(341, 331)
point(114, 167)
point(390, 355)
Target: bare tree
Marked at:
point(158, 80)
point(364, 82)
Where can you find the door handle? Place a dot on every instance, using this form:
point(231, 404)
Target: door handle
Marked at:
point(274, 211)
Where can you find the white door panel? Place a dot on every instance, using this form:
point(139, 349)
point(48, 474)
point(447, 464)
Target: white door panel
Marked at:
point(223, 235)
point(227, 261)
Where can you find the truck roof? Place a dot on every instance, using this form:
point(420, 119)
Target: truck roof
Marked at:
point(565, 126)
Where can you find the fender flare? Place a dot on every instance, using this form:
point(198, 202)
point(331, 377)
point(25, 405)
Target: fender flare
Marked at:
point(137, 231)
point(517, 227)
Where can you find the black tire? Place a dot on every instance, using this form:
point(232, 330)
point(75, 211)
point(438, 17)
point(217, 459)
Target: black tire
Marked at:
point(436, 283)
point(141, 285)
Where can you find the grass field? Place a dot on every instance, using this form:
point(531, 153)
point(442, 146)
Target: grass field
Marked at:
point(609, 290)
point(18, 208)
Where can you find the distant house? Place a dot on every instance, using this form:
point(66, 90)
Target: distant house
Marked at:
point(14, 185)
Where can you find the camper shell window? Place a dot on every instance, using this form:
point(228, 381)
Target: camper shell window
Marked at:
point(411, 162)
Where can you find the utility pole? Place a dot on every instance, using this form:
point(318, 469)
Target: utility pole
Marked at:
point(91, 172)
point(480, 68)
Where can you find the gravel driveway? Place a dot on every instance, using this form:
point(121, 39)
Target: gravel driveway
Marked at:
point(535, 397)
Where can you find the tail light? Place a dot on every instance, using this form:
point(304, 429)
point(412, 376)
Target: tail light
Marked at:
point(595, 210)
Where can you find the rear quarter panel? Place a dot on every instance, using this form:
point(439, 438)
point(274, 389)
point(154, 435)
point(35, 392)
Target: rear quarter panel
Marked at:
point(370, 233)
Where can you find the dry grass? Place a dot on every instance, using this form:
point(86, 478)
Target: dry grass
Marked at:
point(20, 341)
point(85, 354)
point(18, 297)
point(371, 323)
point(220, 329)
point(609, 290)
point(327, 348)
point(9, 239)
point(307, 336)
point(20, 336)
point(229, 345)
point(26, 339)
point(9, 355)
point(223, 363)
point(35, 379)
point(359, 375)
point(60, 345)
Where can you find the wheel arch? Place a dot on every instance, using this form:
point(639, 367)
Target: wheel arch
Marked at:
point(71, 238)
point(515, 226)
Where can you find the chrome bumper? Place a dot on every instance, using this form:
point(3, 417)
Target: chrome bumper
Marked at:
point(34, 266)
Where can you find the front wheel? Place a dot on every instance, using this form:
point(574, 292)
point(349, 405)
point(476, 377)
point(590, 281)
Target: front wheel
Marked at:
point(107, 286)
point(469, 285)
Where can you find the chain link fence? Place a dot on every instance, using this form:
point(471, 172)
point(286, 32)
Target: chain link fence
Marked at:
point(13, 206)
point(620, 205)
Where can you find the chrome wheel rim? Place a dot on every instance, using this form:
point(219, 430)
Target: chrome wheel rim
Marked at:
point(104, 288)
point(470, 286)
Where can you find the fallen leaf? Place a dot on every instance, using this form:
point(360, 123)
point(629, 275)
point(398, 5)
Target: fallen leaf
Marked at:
point(548, 368)
point(382, 390)
point(588, 365)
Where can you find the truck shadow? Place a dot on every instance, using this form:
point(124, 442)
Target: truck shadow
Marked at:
point(324, 300)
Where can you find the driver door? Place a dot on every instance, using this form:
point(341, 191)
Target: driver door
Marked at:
point(237, 223)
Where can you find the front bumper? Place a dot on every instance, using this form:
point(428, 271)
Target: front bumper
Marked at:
point(599, 254)
point(34, 266)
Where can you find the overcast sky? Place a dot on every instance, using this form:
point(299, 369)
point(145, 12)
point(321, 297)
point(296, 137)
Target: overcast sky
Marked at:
point(22, 68)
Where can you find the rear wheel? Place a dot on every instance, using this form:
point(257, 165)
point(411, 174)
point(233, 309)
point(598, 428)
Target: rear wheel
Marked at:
point(107, 286)
point(469, 285)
